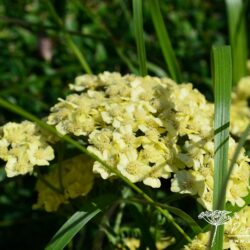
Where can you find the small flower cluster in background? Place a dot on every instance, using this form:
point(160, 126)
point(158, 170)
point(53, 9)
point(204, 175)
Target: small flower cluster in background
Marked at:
point(22, 146)
point(76, 180)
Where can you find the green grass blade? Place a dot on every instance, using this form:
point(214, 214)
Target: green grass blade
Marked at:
point(138, 32)
point(238, 37)
point(70, 228)
point(166, 47)
point(222, 79)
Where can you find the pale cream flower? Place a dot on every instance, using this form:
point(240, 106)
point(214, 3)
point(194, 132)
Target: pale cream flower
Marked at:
point(4, 149)
point(40, 154)
point(187, 182)
point(23, 146)
point(16, 133)
point(131, 167)
point(136, 90)
point(18, 162)
point(10, 167)
point(101, 138)
point(243, 88)
point(83, 82)
point(236, 191)
point(77, 114)
point(98, 167)
point(194, 114)
point(125, 137)
point(239, 117)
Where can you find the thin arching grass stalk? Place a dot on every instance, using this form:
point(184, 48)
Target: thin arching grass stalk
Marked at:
point(138, 33)
point(222, 79)
point(16, 109)
point(77, 52)
point(165, 43)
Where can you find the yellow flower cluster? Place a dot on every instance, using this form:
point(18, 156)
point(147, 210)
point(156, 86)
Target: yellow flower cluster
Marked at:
point(240, 110)
point(236, 233)
point(149, 128)
point(22, 146)
point(121, 117)
point(198, 172)
point(72, 179)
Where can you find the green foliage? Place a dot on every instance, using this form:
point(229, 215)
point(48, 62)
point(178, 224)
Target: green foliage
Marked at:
point(70, 228)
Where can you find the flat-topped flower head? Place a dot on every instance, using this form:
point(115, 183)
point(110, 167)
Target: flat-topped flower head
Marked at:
point(147, 128)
